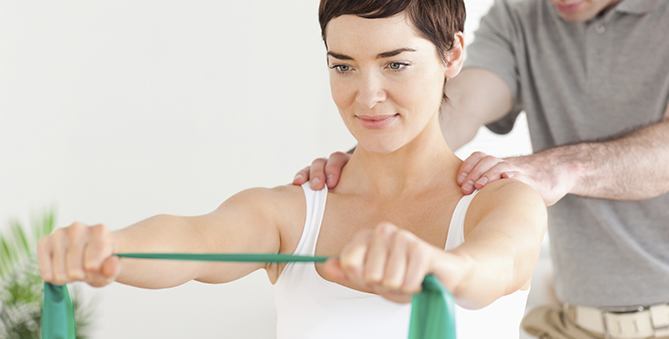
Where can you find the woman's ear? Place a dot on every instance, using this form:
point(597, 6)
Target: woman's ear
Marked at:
point(455, 57)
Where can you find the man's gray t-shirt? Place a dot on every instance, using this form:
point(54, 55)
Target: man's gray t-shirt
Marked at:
point(585, 82)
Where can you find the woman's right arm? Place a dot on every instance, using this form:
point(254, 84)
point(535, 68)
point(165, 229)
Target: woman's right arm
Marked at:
point(244, 223)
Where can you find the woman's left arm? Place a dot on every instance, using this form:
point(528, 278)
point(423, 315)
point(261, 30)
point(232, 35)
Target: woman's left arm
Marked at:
point(504, 229)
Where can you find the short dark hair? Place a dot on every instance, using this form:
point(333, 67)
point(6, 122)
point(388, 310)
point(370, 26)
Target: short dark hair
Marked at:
point(436, 20)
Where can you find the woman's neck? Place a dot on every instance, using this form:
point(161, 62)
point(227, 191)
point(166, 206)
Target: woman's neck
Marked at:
point(423, 164)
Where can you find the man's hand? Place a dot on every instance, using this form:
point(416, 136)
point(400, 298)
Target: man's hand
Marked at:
point(544, 171)
point(321, 169)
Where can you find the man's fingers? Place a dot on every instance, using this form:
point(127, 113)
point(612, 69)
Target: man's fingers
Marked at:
point(481, 167)
point(493, 174)
point(334, 166)
point(302, 176)
point(468, 165)
point(317, 174)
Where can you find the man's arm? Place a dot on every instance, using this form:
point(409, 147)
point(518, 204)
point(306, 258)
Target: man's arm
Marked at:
point(632, 167)
point(476, 97)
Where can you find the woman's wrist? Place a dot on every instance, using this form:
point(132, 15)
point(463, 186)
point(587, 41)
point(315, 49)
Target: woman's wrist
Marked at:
point(452, 268)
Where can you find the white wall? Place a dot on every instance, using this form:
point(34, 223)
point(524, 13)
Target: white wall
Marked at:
point(114, 111)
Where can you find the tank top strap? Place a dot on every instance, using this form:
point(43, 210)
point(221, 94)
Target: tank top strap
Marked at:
point(456, 231)
point(315, 209)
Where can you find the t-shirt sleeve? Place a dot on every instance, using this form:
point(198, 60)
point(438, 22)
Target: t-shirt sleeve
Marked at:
point(493, 50)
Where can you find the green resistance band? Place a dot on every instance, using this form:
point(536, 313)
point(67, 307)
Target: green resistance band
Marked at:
point(432, 310)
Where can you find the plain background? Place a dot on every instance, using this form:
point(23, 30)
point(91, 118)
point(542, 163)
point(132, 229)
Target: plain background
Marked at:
point(112, 112)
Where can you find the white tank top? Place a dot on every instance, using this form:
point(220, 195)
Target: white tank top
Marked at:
point(310, 307)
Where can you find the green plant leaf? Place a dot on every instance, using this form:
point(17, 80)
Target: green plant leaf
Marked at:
point(21, 240)
point(7, 257)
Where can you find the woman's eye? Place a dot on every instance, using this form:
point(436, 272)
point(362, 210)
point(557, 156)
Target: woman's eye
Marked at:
point(341, 68)
point(396, 66)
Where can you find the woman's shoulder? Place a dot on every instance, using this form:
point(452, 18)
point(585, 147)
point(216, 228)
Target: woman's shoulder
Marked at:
point(284, 206)
point(275, 199)
point(506, 197)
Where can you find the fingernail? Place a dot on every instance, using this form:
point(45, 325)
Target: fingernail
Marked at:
point(468, 186)
point(482, 182)
point(316, 181)
point(298, 177)
point(461, 178)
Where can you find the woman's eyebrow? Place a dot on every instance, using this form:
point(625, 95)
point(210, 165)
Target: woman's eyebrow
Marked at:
point(378, 56)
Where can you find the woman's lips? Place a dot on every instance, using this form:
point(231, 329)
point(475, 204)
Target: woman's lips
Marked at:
point(377, 121)
point(569, 8)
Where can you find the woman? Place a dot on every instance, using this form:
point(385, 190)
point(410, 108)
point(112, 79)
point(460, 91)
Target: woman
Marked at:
point(396, 215)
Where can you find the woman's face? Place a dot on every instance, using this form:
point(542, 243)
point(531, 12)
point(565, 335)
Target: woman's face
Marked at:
point(386, 80)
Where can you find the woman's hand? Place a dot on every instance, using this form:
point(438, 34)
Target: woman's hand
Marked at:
point(78, 253)
point(393, 262)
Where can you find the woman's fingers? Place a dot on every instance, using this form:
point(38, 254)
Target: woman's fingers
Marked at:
point(78, 253)
point(388, 260)
point(99, 248)
point(58, 251)
point(377, 254)
point(417, 267)
point(76, 239)
point(396, 266)
point(352, 257)
point(333, 271)
point(44, 259)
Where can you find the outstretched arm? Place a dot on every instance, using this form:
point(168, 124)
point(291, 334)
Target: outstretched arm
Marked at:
point(243, 223)
point(504, 228)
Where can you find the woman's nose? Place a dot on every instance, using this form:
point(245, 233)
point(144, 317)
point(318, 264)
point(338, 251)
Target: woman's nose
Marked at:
point(370, 91)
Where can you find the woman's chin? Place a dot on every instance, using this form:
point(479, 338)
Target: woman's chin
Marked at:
point(385, 147)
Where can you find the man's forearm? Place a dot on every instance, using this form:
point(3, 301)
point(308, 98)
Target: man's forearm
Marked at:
point(632, 167)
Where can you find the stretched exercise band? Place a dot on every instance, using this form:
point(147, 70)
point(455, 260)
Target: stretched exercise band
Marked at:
point(432, 310)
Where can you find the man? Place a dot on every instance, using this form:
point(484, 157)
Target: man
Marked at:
point(593, 79)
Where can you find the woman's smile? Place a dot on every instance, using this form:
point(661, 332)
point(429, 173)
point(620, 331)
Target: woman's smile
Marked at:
point(377, 121)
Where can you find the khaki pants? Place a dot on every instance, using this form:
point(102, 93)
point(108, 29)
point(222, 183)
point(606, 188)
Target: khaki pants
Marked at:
point(550, 322)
